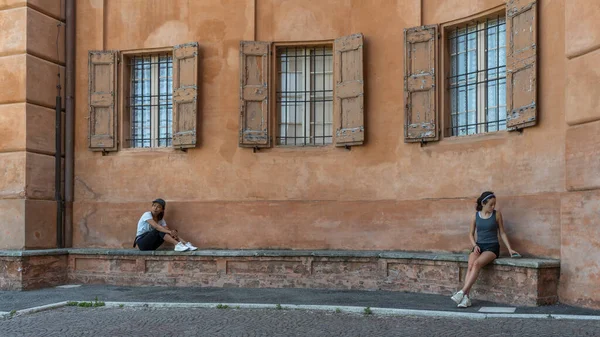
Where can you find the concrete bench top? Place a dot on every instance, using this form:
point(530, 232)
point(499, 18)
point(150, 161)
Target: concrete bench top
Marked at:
point(536, 263)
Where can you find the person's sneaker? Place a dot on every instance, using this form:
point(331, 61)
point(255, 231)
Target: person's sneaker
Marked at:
point(180, 247)
point(458, 296)
point(465, 303)
point(190, 246)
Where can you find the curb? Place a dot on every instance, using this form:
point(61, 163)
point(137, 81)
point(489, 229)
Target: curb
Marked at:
point(330, 308)
point(4, 314)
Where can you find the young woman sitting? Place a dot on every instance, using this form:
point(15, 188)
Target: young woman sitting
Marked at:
point(152, 230)
point(488, 223)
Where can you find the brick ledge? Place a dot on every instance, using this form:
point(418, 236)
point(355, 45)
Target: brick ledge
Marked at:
point(533, 263)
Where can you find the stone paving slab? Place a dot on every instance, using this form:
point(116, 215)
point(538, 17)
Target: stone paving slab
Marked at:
point(97, 322)
point(18, 300)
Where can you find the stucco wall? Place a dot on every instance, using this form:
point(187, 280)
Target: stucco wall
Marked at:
point(383, 195)
point(580, 224)
point(31, 54)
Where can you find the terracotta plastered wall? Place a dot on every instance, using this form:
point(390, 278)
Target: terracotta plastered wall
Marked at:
point(384, 195)
point(580, 206)
point(31, 55)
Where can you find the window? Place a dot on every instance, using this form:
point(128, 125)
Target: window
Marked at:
point(477, 79)
point(143, 98)
point(304, 95)
point(150, 105)
point(489, 67)
point(287, 94)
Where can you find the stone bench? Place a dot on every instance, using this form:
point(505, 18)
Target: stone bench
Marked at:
point(525, 281)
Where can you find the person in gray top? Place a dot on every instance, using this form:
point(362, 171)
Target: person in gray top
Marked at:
point(488, 223)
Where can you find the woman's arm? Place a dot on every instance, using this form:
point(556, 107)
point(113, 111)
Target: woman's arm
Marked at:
point(158, 227)
point(472, 236)
point(503, 233)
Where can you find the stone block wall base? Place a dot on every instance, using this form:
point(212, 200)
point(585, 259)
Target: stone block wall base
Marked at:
point(32, 272)
point(525, 282)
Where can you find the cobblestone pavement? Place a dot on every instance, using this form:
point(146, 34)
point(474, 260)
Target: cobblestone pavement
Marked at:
point(75, 321)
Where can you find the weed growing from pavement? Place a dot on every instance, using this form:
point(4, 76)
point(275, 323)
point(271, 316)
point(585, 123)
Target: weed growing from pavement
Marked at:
point(338, 310)
point(278, 306)
point(238, 307)
point(368, 311)
point(92, 304)
point(12, 313)
point(121, 305)
point(222, 306)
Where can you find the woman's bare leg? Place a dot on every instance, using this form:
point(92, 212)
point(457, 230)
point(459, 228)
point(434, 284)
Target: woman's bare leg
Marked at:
point(170, 239)
point(484, 259)
point(472, 257)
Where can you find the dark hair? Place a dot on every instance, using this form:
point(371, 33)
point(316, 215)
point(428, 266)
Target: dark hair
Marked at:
point(163, 203)
point(484, 199)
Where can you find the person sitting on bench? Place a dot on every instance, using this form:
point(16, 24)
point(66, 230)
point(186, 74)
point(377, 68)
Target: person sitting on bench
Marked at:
point(152, 230)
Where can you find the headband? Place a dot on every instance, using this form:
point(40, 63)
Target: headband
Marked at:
point(486, 198)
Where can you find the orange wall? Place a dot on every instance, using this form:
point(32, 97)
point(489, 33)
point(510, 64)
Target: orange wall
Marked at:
point(580, 216)
point(383, 195)
point(31, 54)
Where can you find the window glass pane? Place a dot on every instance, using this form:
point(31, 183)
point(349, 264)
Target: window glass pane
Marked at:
point(305, 95)
point(150, 104)
point(471, 120)
point(476, 83)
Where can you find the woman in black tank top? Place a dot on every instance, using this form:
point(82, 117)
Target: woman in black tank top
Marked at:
point(487, 222)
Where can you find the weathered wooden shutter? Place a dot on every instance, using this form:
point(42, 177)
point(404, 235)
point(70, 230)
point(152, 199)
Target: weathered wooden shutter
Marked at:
point(102, 68)
point(521, 64)
point(348, 106)
point(420, 62)
point(255, 62)
point(185, 95)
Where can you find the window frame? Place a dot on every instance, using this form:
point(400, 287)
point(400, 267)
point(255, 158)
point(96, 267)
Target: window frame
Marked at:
point(275, 116)
point(124, 89)
point(442, 81)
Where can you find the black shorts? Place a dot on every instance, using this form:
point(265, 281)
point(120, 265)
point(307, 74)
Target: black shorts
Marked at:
point(150, 240)
point(489, 247)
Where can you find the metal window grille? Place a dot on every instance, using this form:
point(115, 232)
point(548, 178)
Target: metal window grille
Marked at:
point(477, 81)
point(150, 100)
point(305, 95)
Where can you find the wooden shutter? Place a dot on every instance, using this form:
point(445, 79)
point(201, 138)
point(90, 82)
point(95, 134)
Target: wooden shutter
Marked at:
point(420, 61)
point(255, 62)
point(521, 64)
point(348, 106)
point(185, 94)
point(102, 73)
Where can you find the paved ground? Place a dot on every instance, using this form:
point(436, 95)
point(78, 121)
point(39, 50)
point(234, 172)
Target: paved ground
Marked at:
point(141, 321)
point(17, 300)
point(75, 321)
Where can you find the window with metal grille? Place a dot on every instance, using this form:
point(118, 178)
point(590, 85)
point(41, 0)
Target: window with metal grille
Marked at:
point(150, 102)
point(304, 95)
point(477, 81)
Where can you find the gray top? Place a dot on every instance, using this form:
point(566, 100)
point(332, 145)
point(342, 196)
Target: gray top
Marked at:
point(487, 229)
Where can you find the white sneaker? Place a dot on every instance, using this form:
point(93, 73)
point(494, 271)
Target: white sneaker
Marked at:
point(190, 246)
point(458, 296)
point(180, 247)
point(465, 303)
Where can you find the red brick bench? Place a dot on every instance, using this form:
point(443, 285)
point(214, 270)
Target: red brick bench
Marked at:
point(525, 281)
